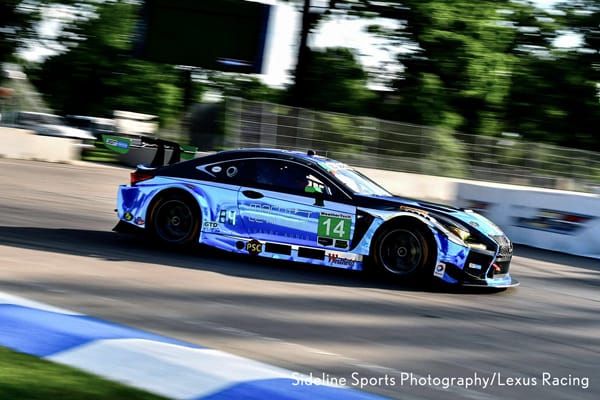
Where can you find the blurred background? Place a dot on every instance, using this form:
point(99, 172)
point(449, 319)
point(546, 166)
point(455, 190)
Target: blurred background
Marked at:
point(506, 91)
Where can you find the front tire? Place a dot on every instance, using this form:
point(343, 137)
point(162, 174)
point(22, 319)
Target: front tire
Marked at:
point(404, 252)
point(175, 220)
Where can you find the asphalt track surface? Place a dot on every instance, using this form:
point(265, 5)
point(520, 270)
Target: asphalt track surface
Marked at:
point(540, 340)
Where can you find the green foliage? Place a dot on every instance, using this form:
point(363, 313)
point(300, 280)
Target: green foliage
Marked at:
point(26, 377)
point(98, 75)
point(16, 24)
point(244, 86)
point(552, 101)
point(478, 70)
point(336, 82)
point(462, 60)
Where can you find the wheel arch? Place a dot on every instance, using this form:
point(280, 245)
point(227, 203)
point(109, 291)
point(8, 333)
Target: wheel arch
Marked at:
point(412, 221)
point(184, 194)
point(171, 191)
point(406, 220)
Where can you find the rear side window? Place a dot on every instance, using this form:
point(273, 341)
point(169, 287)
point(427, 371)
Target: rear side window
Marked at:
point(271, 174)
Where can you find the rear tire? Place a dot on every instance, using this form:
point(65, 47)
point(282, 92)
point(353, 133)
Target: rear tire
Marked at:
point(405, 252)
point(175, 220)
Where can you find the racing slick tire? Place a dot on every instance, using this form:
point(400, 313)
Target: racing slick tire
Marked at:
point(175, 220)
point(405, 251)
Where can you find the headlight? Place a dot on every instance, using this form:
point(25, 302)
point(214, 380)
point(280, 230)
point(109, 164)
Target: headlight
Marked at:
point(462, 234)
point(465, 236)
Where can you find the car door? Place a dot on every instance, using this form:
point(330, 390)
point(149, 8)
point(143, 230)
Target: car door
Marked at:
point(282, 201)
point(219, 194)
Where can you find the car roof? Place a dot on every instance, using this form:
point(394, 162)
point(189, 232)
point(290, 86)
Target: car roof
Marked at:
point(311, 160)
point(308, 158)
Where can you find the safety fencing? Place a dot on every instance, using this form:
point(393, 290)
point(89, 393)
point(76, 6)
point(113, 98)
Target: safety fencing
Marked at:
point(374, 143)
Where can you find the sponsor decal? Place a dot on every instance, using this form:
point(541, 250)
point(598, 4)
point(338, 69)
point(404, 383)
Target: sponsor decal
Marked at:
point(227, 217)
point(554, 221)
point(231, 172)
point(211, 226)
point(342, 244)
point(475, 266)
point(414, 210)
point(117, 144)
point(476, 205)
point(139, 221)
point(254, 247)
point(188, 152)
point(336, 259)
point(128, 216)
point(216, 169)
point(439, 270)
point(269, 214)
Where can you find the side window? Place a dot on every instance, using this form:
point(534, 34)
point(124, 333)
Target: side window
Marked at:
point(276, 175)
point(288, 177)
point(293, 177)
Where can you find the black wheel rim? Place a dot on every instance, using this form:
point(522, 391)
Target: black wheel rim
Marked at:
point(401, 252)
point(174, 221)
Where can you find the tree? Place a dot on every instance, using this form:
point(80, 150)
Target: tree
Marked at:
point(335, 81)
point(459, 75)
point(494, 67)
point(555, 93)
point(17, 20)
point(97, 74)
point(244, 86)
point(299, 91)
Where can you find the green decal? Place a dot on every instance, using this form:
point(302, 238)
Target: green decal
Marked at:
point(335, 226)
point(117, 144)
point(189, 152)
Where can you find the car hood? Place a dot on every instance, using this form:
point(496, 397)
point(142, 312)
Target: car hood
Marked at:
point(443, 213)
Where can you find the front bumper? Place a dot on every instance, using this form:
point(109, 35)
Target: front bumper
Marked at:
point(501, 284)
point(483, 267)
point(497, 262)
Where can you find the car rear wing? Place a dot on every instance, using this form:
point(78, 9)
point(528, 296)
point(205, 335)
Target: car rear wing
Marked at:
point(178, 152)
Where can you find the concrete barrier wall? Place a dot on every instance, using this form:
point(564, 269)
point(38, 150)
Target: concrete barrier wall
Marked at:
point(567, 222)
point(432, 188)
point(26, 145)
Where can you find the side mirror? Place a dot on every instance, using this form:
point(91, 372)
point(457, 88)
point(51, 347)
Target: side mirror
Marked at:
point(318, 191)
point(319, 199)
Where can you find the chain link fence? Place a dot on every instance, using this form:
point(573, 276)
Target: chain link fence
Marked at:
point(374, 143)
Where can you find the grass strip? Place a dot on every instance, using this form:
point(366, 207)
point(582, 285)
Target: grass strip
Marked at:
point(99, 154)
point(25, 377)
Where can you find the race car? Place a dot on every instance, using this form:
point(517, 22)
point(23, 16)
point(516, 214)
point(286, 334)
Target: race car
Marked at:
point(307, 208)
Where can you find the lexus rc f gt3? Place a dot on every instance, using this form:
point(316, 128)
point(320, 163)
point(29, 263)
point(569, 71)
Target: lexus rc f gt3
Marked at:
point(311, 209)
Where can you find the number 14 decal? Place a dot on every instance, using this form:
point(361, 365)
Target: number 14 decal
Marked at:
point(335, 226)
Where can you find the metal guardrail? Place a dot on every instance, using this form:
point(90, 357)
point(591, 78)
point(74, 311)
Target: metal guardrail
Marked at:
point(375, 143)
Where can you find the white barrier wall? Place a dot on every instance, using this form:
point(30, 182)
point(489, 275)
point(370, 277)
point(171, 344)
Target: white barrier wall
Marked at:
point(567, 222)
point(432, 188)
point(26, 145)
point(562, 221)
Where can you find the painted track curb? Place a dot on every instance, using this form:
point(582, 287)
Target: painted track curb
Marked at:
point(151, 362)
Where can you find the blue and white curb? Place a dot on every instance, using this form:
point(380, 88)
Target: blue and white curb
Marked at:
point(151, 362)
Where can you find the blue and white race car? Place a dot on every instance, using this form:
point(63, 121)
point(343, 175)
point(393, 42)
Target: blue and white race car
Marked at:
point(306, 208)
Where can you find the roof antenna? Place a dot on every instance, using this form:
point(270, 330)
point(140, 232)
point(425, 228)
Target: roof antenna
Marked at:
point(311, 152)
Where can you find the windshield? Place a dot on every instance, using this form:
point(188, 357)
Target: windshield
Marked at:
point(354, 180)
